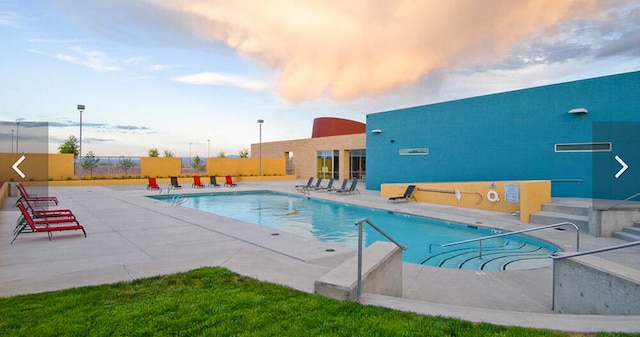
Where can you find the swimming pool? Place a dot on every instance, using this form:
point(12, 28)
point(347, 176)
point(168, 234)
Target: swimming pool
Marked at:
point(334, 222)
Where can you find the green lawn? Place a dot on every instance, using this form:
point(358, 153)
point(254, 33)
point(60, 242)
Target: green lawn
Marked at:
point(217, 302)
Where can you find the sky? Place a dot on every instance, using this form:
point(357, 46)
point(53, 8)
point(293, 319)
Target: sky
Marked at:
point(194, 76)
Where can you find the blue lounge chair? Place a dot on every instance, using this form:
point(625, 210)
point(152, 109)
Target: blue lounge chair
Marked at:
point(305, 187)
point(342, 187)
point(405, 197)
point(352, 189)
point(326, 188)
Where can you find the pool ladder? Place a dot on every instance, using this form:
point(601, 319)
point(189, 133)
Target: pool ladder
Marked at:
point(177, 200)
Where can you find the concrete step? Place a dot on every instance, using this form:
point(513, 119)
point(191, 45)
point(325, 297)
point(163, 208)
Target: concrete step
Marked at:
point(635, 230)
point(624, 235)
point(566, 209)
point(548, 218)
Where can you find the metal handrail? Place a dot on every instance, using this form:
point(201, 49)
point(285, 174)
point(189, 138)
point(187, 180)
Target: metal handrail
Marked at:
point(560, 224)
point(567, 180)
point(588, 252)
point(618, 203)
point(594, 251)
point(359, 223)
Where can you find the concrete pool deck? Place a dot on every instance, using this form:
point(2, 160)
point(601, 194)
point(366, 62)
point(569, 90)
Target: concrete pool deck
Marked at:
point(130, 236)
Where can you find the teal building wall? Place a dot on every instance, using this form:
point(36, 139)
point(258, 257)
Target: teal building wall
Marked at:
point(513, 136)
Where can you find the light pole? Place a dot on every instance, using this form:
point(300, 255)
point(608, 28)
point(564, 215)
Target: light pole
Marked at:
point(17, 136)
point(260, 121)
point(208, 148)
point(12, 130)
point(81, 109)
point(190, 153)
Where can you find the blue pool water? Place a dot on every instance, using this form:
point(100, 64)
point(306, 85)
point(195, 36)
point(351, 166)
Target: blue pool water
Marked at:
point(334, 222)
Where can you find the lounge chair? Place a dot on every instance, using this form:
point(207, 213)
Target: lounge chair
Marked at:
point(45, 224)
point(153, 185)
point(174, 183)
point(352, 189)
point(43, 213)
point(342, 187)
point(229, 182)
point(317, 185)
point(213, 182)
point(408, 193)
point(197, 183)
point(326, 188)
point(34, 198)
point(304, 187)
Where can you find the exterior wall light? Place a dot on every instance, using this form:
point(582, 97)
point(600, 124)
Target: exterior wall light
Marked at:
point(376, 131)
point(579, 111)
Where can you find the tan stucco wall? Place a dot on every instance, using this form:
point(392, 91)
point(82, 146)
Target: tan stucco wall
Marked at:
point(304, 152)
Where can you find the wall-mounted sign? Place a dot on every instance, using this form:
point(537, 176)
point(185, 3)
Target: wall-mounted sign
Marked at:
point(414, 152)
point(512, 193)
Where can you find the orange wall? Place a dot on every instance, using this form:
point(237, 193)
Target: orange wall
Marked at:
point(36, 166)
point(160, 166)
point(474, 195)
point(59, 167)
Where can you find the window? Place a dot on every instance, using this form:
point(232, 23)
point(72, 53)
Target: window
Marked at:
point(357, 164)
point(414, 152)
point(583, 147)
point(328, 164)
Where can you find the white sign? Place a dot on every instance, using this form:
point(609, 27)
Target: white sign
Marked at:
point(512, 193)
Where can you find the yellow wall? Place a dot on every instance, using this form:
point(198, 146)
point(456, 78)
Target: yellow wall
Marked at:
point(59, 167)
point(160, 166)
point(36, 166)
point(474, 195)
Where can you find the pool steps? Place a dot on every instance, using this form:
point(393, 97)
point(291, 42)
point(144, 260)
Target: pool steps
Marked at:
point(631, 233)
point(381, 274)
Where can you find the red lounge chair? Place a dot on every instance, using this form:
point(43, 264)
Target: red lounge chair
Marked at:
point(229, 182)
point(153, 185)
point(45, 224)
point(34, 198)
point(43, 213)
point(197, 183)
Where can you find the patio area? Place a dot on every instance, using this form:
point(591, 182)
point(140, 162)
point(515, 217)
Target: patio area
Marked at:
point(130, 236)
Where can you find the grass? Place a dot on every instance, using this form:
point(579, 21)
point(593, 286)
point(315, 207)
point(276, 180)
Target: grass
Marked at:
point(217, 302)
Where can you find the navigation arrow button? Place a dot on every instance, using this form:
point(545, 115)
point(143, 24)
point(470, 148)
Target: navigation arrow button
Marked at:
point(624, 167)
point(15, 167)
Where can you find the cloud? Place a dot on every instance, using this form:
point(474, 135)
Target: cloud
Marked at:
point(94, 59)
point(211, 78)
point(349, 49)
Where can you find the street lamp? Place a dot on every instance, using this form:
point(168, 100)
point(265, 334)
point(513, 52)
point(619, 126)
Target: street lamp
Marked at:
point(12, 130)
point(17, 135)
point(208, 148)
point(260, 121)
point(81, 109)
point(190, 153)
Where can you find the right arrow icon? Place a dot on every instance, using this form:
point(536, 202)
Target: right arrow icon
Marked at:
point(624, 167)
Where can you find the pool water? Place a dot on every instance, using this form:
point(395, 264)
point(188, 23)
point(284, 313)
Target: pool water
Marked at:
point(334, 222)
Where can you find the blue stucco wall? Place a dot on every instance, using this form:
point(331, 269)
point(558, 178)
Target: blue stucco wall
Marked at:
point(511, 136)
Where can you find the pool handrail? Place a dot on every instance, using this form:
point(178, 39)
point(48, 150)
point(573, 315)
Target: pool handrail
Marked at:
point(619, 202)
point(359, 223)
point(559, 224)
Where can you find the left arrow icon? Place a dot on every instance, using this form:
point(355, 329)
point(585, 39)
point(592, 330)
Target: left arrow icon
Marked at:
point(15, 167)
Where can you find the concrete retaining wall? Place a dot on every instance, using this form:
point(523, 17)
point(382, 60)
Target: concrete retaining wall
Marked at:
point(592, 285)
point(381, 274)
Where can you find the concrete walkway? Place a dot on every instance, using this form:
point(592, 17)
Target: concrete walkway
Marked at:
point(131, 236)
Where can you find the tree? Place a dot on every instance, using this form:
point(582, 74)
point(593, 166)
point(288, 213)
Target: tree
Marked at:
point(89, 162)
point(168, 153)
point(125, 164)
point(198, 164)
point(153, 152)
point(221, 154)
point(244, 153)
point(70, 145)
